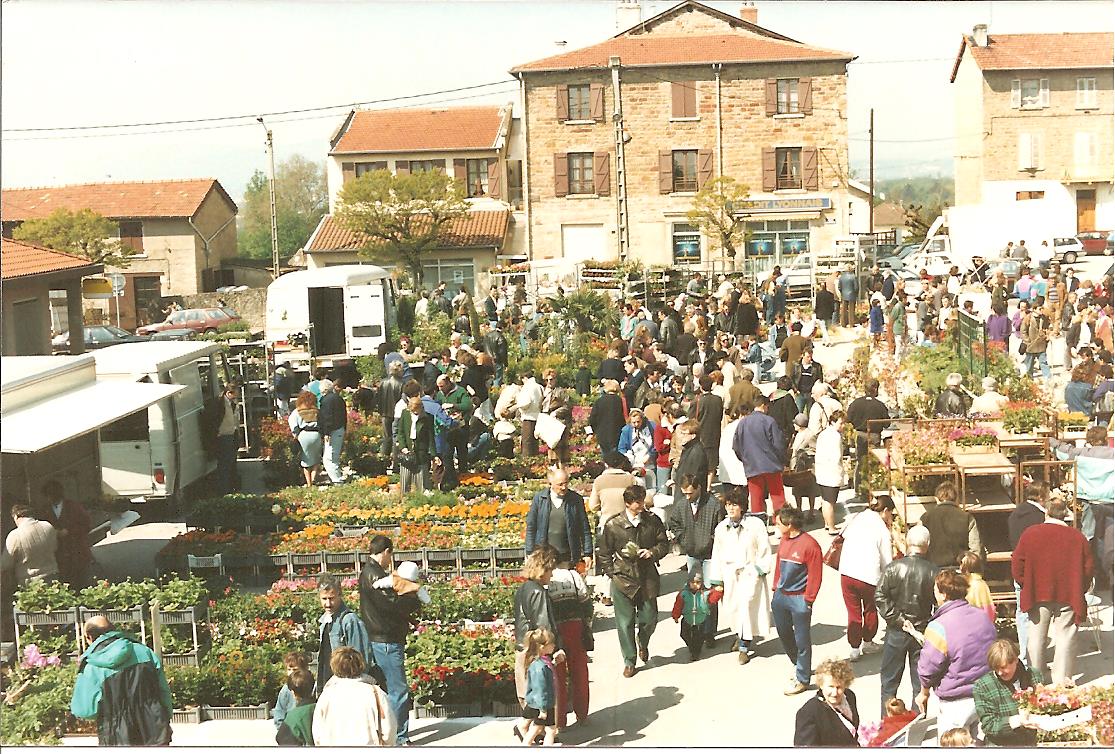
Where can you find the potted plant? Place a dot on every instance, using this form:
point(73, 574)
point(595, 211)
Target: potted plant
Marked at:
point(973, 440)
point(1022, 417)
point(1058, 710)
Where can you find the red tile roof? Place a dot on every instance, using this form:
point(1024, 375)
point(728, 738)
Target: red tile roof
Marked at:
point(650, 50)
point(477, 228)
point(19, 259)
point(418, 130)
point(112, 200)
point(1017, 52)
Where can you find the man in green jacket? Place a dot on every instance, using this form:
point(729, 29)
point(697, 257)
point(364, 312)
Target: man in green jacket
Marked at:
point(121, 684)
point(452, 394)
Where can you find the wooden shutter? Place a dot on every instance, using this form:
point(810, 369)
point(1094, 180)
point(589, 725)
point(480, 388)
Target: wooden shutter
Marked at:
point(562, 102)
point(805, 95)
point(770, 170)
point(460, 170)
point(1016, 93)
point(665, 171)
point(561, 174)
point(772, 96)
point(810, 173)
point(596, 101)
point(348, 172)
point(1043, 92)
point(402, 167)
point(683, 99)
point(704, 167)
point(602, 173)
point(495, 182)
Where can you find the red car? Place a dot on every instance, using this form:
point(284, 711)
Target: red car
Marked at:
point(198, 320)
point(1095, 241)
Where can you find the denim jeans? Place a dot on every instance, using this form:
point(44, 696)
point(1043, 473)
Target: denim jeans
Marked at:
point(390, 658)
point(331, 458)
point(1043, 362)
point(662, 475)
point(899, 648)
point(792, 619)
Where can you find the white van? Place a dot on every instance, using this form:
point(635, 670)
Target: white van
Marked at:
point(158, 453)
point(338, 311)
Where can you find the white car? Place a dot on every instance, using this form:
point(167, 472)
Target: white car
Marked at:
point(1066, 250)
point(936, 263)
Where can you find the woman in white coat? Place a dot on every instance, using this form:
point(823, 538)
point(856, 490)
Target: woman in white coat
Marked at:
point(732, 473)
point(867, 551)
point(828, 467)
point(741, 560)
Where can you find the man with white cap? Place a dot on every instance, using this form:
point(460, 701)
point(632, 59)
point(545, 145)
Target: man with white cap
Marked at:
point(952, 402)
point(991, 401)
point(387, 601)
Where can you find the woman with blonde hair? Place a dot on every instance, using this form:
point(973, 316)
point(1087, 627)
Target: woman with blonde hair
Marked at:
point(830, 718)
point(534, 609)
point(303, 425)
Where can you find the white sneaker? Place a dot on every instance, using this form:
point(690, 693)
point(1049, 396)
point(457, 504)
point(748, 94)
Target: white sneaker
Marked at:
point(856, 653)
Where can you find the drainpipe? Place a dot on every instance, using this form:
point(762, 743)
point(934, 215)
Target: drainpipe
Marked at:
point(716, 67)
point(623, 239)
point(205, 241)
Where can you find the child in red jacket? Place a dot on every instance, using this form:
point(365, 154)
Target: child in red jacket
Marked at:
point(692, 610)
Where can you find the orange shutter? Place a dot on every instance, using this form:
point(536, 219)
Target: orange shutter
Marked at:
point(772, 96)
point(562, 102)
point(561, 175)
point(770, 170)
point(602, 173)
point(596, 101)
point(665, 171)
point(677, 100)
point(704, 167)
point(809, 170)
point(805, 95)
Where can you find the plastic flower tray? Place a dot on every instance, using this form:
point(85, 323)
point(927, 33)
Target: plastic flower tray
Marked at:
point(258, 712)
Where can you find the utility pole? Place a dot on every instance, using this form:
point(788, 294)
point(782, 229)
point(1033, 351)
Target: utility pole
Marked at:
point(274, 215)
point(870, 172)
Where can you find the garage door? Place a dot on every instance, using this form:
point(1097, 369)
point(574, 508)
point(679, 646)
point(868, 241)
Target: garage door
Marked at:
point(580, 243)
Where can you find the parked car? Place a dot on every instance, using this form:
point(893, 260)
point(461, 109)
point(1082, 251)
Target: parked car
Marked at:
point(96, 336)
point(896, 259)
point(198, 320)
point(1067, 250)
point(1096, 241)
point(177, 333)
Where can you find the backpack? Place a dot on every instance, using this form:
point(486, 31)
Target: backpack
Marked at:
point(131, 712)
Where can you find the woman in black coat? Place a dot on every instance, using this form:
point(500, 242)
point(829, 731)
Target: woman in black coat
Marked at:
point(534, 609)
point(824, 303)
point(606, 417)
point(693, 459)
point(746, 317)
point(830, 718)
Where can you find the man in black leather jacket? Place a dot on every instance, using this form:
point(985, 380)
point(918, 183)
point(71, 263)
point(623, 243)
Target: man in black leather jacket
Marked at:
point(905, 600)
point(390, 390)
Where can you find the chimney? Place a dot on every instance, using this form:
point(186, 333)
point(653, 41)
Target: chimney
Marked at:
point(628, 14)
point(979, 35)
point(749, 13)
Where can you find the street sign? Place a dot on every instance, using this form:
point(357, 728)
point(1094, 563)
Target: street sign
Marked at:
point(118, 282)
point(96, 288)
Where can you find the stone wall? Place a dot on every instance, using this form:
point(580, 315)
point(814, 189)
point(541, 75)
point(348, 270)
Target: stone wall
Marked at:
point(251, 304)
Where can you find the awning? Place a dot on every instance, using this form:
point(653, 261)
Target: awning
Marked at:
point(56, 420)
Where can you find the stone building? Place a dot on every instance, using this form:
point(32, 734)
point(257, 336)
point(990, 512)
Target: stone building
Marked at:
point(677, 99)
point(480, 145)
point(179, 233)
point(1033, 124)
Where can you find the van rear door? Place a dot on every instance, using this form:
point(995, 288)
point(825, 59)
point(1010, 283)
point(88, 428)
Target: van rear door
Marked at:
point(365, 317)
point(327, 320)
point(126, 455)
point(187, 405)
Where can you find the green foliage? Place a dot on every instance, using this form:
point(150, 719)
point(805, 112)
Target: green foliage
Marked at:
point(239, 678)
point(40, 714)
point(51, 640)
point(231, 511)
point(370, 368)
point(432, 334)
point(716, 212)
point(478, 600)
point(924, 199)
point(84, 233)
point(301, 198)
point(174, 594)
point(588, 310)
point(402, 217)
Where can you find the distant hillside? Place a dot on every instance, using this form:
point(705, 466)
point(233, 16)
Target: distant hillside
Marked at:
point(924, 191)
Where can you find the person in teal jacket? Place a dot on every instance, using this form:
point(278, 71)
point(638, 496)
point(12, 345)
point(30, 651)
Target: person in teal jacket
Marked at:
point(121, 684)
point(693, 609)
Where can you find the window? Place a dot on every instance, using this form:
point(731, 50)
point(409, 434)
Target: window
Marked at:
point(422, 166)
point(1086, 94)
point(687, 244)
point(580, 173)
point(772, 242)
point(131, 236)
point(1029, 94)
point(453, 272)
point(685, 170)
point(370, 167)
point(1084, 151)
point(579, 105)
point(1030, 153)
point(787, 96)
point(1022, 196)
point(148, 298)
point(787, 162)
point(477, 184)
point(132, 428)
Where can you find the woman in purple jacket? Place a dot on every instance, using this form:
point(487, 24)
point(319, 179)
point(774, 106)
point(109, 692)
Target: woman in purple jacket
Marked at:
point(998, 327)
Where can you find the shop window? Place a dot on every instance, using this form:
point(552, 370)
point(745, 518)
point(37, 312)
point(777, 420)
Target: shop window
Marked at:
point(686, 244)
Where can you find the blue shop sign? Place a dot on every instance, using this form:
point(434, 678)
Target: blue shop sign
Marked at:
point(803, 204)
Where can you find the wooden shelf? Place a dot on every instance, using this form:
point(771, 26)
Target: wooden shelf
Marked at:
point(1001, 556)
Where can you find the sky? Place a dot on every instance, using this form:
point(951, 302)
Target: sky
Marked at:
point(70, 64)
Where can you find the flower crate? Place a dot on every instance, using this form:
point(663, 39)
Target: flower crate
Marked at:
point(282, 560)
point(308, 560)
point(414, 556)
point(50, 619)
point(186, 616)
point(510, 553)
point(509, 572)
point(442, 564)
point(353, 531)
point(118, 617)
point(190, 716)
point(443, 711)
point(342, 561)
point(506, 709)
point(258, 712)
point(189, 659)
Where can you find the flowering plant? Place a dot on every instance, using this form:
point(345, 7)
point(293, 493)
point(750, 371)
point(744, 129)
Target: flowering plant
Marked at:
point(973, 436)
point(34, 659)
point(1021, 416)
point(1055, 700)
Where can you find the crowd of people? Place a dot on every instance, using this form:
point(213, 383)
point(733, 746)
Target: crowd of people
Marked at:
point(699, 458)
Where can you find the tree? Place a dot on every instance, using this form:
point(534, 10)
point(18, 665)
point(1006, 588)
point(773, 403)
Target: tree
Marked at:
point(715, 210)
point(83, 233)
point(401, 216)
point(301, 198)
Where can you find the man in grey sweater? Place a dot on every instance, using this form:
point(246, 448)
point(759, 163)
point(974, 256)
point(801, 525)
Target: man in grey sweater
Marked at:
point(32, 545)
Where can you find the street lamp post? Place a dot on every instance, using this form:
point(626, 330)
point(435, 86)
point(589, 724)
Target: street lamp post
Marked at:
point(271, 185)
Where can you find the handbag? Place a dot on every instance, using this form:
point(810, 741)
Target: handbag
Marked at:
point(1022, 348)
point(832, 554)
